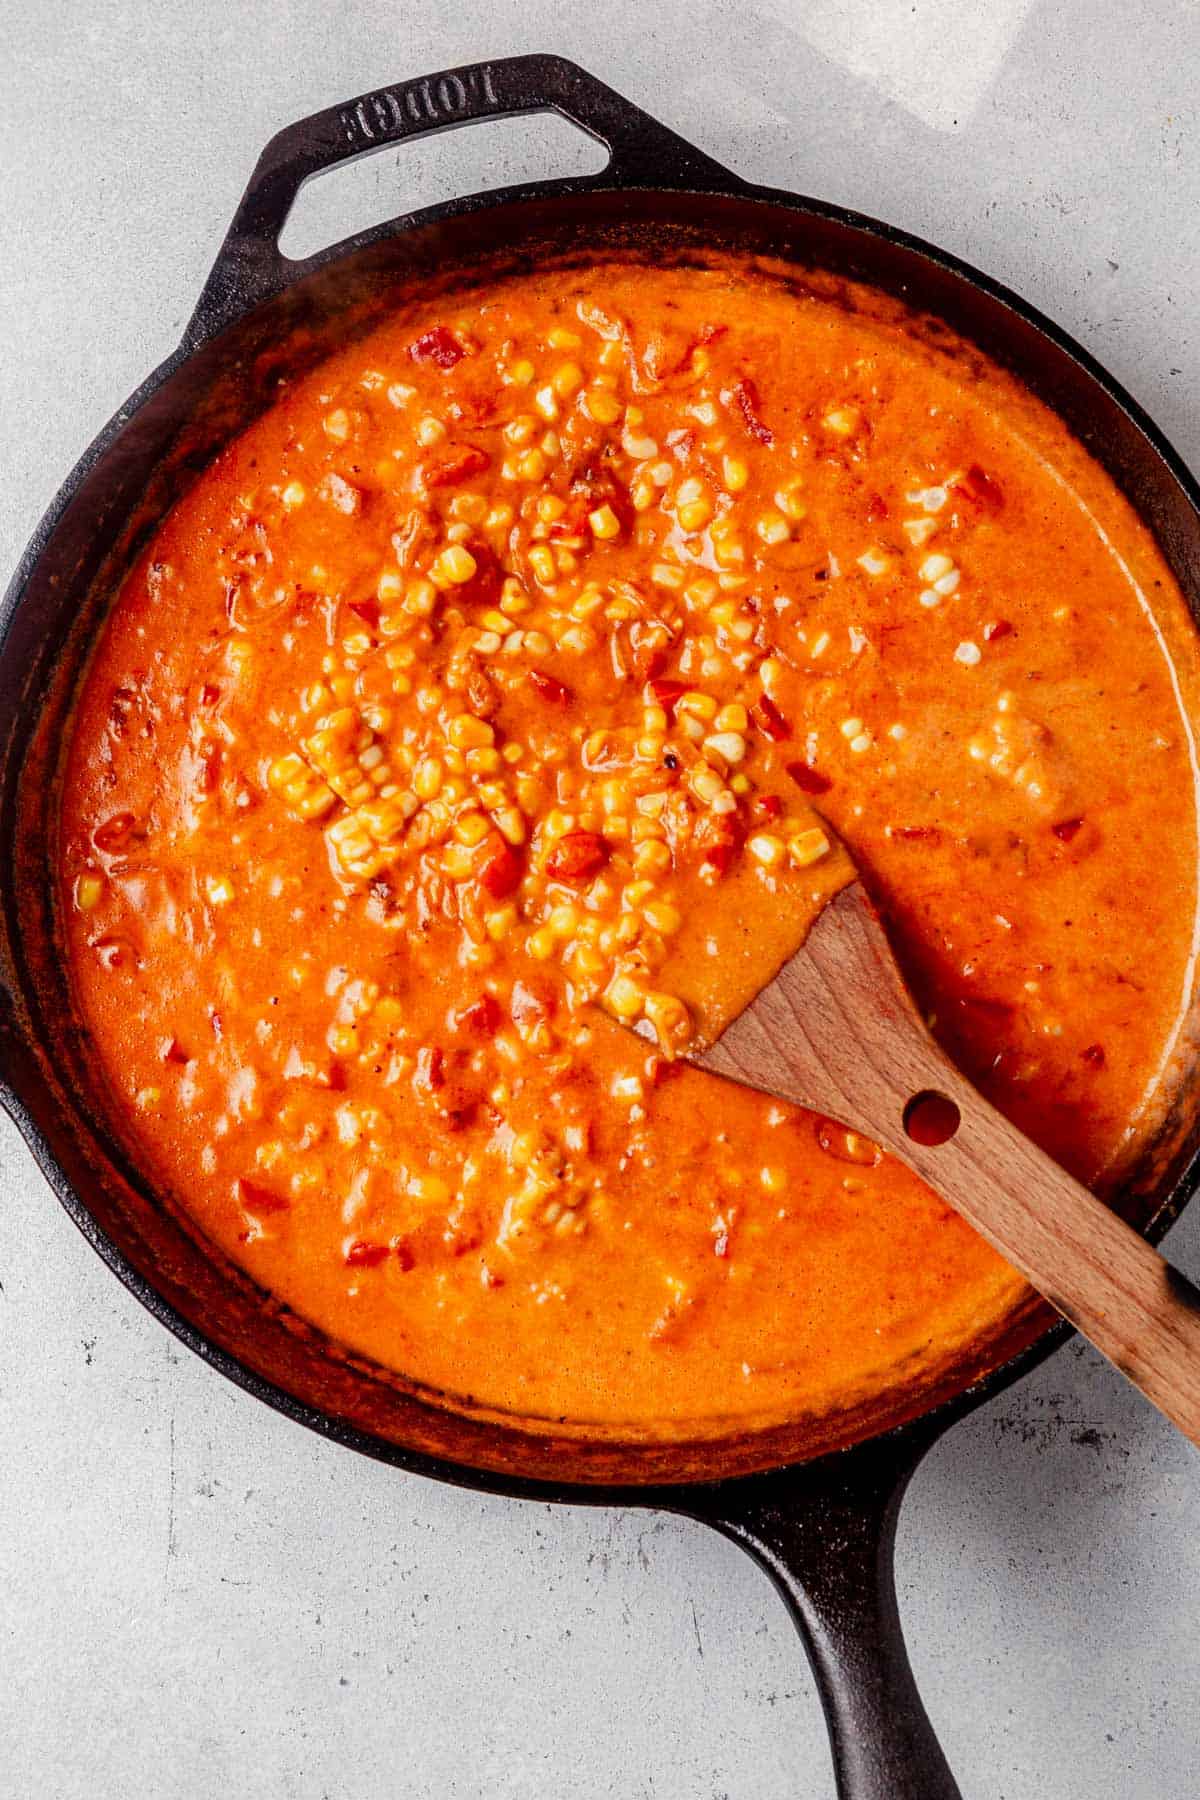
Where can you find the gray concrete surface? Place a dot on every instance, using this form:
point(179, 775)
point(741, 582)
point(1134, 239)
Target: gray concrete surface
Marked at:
point(197, 1598)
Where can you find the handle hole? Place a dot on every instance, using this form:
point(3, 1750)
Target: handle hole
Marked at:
point(931, 1118)
point(342, 201)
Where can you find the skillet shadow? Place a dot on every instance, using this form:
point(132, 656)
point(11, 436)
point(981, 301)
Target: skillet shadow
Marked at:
point(1046, 1555)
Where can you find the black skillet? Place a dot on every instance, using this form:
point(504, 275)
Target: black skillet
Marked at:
point(816, 1503)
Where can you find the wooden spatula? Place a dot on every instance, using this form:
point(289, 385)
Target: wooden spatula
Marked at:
point(837, 1031)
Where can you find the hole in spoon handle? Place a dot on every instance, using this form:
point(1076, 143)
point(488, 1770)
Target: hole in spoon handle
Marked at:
point(931, 1118)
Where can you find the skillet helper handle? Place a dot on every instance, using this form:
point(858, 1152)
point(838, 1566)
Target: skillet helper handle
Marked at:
point(251, 268)
point(825, 1533)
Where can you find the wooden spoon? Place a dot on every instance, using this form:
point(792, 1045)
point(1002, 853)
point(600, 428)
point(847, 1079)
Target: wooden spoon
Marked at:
point(837, 1031)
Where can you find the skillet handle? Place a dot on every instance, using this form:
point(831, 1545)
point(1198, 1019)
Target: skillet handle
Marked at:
point(642, 153)
point(825, 1533)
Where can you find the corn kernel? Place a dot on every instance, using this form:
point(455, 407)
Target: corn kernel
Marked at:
point(457, 862)
point(454, 566)
point(693, 515)
point(735, 474)
point(466, 732)
point(765, 849)
point(843, 421)
point(471, 829)
point(624, 998)
point(789, 501)
point(541, 561)
point(808, 847)
point(566, 380)
point(662, 917)
point(700, 706)
point(669, 1017)
point(501, 923)
point(337, 425)
point(652, 857)
point(604, 522)
point(219, 889)
point(89, 890)
point(294, 495)
point(732, 718)
point(420, 597)
point(706, 784)
point(471, 507)
point(773, 528)
point(729, 746)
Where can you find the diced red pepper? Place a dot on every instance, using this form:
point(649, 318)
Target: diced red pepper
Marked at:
point(209, 758)
point(457, 464)
point(361, 1255)
point(808, 779)
point(431, 1067)
point(719, 858)
point(1094, 1056)
point(437, 346)
point(258, 1199)
point(405, 1255)
point(209, 695)
point(113, 832)
point(1067, 829)
point(998, 628)
point(915, 833)
point(172, 1051)
point(766, 806)
point(482, 1016)
point(877, 509)
point(745, 398)
point(650, 657)
point(549, 687)
point(978, 487)
point(483, 589)
point(770, 720)
point(576, 856)
point(367, 611)
point(500, 871)
point(667, 693)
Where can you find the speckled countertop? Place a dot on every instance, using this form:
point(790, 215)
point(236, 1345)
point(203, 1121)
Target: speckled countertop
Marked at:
point(197, 1598)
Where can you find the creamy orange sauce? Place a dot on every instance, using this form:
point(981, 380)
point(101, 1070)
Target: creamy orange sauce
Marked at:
point(478, 698)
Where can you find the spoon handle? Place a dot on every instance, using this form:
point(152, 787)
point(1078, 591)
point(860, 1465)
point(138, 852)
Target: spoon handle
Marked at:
point(837, 1031)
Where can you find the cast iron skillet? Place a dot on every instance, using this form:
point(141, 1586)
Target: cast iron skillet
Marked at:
point(816, 1502)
